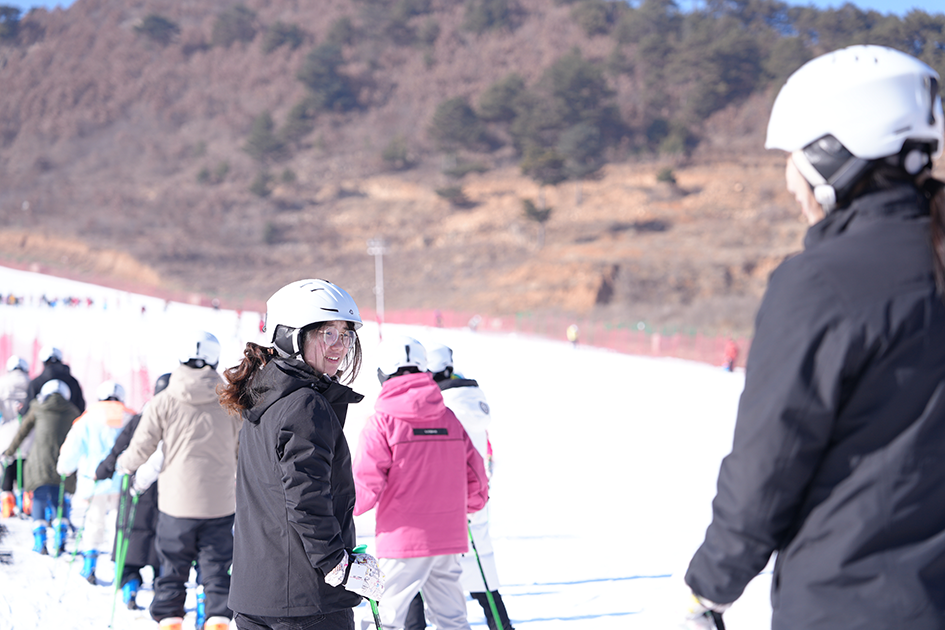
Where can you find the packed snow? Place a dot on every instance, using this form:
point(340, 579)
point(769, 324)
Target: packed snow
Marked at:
point(605, 464)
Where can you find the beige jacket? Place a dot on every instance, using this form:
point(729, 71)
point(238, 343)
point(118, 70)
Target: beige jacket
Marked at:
point(198, 479)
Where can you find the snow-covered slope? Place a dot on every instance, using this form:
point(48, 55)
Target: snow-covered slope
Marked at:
point(605, 464)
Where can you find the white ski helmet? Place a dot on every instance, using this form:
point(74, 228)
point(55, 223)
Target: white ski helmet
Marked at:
point(50, 353)
point(302, 303)
point(17, 363)
point(54, 386)
point(439, 357)
point(840, 112)
point(110, 390)
point(400, 353)
point(203, 349)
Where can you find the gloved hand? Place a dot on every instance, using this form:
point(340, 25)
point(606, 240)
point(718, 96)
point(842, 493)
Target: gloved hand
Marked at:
point(358, 573)
point(5, 460)
point(703, 614)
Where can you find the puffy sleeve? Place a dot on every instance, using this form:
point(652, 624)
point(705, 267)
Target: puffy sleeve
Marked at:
point(305, 452)
point(372, 463)
point(477, 483)
point(786, 416)
point(147, 435)
point(74, 447)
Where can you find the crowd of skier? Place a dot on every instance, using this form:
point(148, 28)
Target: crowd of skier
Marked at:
point(244, 483)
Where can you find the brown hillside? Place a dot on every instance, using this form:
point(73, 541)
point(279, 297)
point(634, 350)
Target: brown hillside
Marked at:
point(103, 134)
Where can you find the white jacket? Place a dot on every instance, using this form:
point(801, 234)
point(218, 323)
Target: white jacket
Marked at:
point(90, 440)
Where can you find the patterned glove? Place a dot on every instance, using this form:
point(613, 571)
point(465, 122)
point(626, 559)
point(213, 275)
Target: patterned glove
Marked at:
point(358, 573)
point(703, 614)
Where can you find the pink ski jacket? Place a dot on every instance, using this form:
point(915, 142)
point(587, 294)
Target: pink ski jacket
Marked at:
point(417, 465)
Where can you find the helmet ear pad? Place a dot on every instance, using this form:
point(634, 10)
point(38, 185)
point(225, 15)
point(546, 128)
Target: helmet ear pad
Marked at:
point(287, 341)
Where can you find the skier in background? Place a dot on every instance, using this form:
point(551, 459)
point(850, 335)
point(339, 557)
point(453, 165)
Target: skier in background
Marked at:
point(14, 388)
point(465, 399)
point(731, 354)
point(573, 333)
point(197, 498)
point(94, 502)
point(49, 420)
point(139, 533)
point(838, 458)
point(54, 368)
point(417, 466)
point(294, 564)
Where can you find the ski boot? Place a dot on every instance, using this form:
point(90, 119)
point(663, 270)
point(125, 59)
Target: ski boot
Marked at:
point(171, 623)
point(88, 567)
point(7, 504)
point(129, 592)
point(217, 623)
point(39, 539)
point(60, 531)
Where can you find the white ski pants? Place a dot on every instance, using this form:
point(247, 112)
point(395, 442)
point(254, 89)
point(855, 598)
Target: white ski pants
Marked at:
point(438, 578)
point(96, 516)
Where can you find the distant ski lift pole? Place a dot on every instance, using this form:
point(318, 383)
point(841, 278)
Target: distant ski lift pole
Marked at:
point(377, 248)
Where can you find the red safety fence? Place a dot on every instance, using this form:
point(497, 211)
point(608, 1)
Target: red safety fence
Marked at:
point(637, 339)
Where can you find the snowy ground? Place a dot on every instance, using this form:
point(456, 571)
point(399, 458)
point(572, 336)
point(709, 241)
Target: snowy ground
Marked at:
point(605, 464)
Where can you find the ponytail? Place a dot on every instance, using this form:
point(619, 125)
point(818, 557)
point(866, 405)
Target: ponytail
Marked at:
point(237, 394)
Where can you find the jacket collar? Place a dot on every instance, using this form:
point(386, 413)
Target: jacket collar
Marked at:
point(280, 377)
point(903, 202)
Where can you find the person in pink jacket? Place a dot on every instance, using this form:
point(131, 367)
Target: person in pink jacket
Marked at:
point(416, 464)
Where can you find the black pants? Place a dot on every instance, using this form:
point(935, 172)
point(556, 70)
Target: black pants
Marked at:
point(181, 541)
point(416, 620)
point(341, 620)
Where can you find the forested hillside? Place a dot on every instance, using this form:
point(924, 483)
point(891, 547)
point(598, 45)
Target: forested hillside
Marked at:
point(230, 147)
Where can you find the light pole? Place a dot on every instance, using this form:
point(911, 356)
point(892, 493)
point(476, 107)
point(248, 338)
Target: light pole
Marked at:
point(376, 248)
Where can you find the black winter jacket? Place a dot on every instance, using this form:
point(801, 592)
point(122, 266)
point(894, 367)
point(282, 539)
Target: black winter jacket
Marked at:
point(838, 460)
point(294, 495)
point(55, 371)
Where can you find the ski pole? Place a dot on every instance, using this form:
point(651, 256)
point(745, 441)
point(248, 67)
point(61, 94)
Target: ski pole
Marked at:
point(374, 610)
point(57, 528)
point(121, 546)
point(492, 607)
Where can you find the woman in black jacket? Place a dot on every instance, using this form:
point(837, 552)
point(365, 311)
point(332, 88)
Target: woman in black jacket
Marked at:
point(838, 460)
point(293, 558)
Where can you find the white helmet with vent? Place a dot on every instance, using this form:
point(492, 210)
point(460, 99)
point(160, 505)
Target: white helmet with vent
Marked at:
point(439, 357)
point(110, 390)
point(841, 112)
point(203, 349)
point(300, 304)
point(50, 353)
point(17, 363)
point(400, 354)
point(54, 386)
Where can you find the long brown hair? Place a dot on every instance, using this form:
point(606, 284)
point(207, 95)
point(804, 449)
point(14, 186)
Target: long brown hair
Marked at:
point(934, 189)
point(237, 394)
